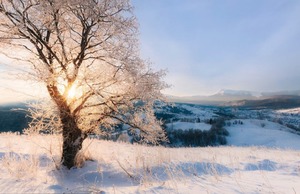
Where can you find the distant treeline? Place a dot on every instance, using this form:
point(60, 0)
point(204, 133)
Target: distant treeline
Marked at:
point(196, 137)
point(12, 120)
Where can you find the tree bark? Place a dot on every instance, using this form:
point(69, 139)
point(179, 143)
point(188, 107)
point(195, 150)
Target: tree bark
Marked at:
point(72, 139)
point(72, 135)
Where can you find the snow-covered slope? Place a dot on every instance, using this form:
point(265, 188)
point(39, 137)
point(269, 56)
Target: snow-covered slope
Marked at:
point(188, 125)
point(262, 133)
point(290, 111)
point(28, 165)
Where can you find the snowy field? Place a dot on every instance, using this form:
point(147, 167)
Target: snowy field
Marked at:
point(255, 132)
point(188, 125)
point(199, 111)
point(28, 164)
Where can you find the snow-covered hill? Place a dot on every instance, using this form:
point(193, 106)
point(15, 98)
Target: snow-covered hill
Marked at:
point(253, 132)
point(188, 125)
point(28, 165)
point(290, 111)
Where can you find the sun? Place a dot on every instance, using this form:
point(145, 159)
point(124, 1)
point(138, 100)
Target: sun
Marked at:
point(72, 92)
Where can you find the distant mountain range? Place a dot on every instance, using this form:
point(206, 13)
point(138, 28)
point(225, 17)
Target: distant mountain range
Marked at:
point(274, 102)
point(243, 98)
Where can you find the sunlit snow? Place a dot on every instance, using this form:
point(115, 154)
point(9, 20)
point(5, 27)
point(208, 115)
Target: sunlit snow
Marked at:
point(28, 165)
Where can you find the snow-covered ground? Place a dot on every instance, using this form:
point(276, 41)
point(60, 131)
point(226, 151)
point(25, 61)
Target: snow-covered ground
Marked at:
point(255, 132)
point(28, 165)
point(291, 111)
point(188, 125)
point(199, 111)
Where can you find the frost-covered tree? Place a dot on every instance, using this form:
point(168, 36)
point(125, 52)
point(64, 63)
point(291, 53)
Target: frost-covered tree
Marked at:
point(86, 54)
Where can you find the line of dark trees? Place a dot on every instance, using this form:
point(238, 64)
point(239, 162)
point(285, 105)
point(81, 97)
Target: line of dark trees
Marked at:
point(13, 120)
point(196, 137)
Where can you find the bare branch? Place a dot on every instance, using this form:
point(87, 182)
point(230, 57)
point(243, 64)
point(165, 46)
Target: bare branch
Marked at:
point(87, 55)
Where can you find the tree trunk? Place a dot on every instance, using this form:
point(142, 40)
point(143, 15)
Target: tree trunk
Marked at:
point(72, 139)
point(72, 135)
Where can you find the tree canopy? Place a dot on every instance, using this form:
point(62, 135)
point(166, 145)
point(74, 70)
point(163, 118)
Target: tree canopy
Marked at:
point(86, 53)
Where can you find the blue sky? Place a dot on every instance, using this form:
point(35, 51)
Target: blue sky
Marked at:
point(208, 45)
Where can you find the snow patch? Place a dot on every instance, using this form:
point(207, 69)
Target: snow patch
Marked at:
point(188, 125)
point(255, 132)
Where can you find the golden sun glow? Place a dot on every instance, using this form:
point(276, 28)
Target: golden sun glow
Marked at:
point(72, 92)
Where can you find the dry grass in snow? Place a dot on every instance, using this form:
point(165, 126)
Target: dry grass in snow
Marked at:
point(30, 164)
